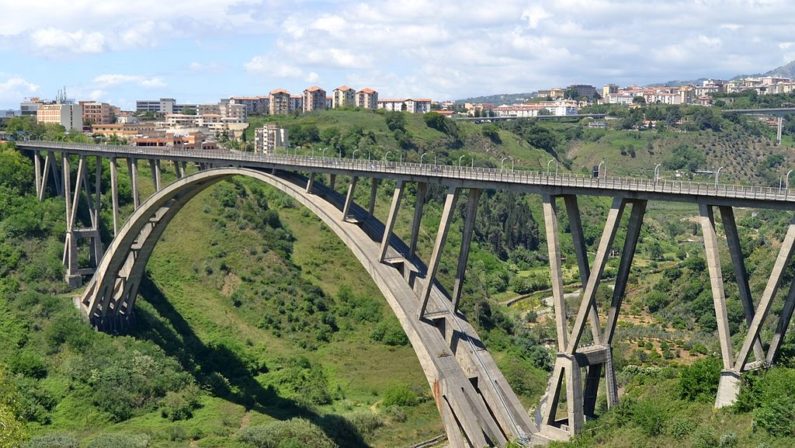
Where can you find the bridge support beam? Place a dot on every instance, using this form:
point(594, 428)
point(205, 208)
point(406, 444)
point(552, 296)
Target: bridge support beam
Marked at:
point(37, 168)
point(332, 181)
point(419, 203)
point(154, 166)
point(466, 240)
point(397, 196)
point(56, 173)
point(114, 194)
point(310, 182)
point(373, 196)
point(597, 359)
point(132, 169)
point(73, 274)
point(779, 129)
point(349, 198)
point(438, 247)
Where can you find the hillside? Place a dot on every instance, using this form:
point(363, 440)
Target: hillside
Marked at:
point(785, 71)
point(255, 323)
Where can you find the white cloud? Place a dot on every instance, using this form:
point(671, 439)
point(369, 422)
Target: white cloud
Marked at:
point(110, 80)
point(269, 65)
point(312, 77)
point(14, 88)
point(58, 40)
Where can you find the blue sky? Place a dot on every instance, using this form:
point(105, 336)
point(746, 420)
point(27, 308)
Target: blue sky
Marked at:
point(203, 50)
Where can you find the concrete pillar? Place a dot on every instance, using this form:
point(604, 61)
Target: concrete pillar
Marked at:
point(184, 168)
point(602, 252)
point(56, 174)
point(397, 196)
point(778, 130)
point(728, 388)
point(310, 182)
point(781, 327)
point(441, 238)
point(784, 256)
point(422, 189)
point(466, 239)
point(154, 166)
point(592, 377)
point(373, 195)
point(114, 194)
point(707, 221)
point(349, 198)
point(555, 270)
point(575, 224)
point(332, 180)
point(132, 168)
point(45, 176)
point(740, 272)
point(37, 168)
point(178, 170)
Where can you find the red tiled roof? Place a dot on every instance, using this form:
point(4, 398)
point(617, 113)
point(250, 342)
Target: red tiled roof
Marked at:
point(343, 88)
point(276, 91)
point(367, 90)
point(312, 89)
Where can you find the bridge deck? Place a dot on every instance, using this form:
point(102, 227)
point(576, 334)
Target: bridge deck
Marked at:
point(465, 177)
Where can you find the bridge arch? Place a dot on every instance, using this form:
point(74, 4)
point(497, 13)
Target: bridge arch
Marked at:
point(476, 403)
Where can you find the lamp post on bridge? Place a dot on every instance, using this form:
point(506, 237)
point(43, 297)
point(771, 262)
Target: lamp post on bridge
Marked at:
point(786, 183)
point(353, 156)
point(717, 173)
point(459, 161)
point(657, 172)
point(548, 163)
point(599, 169)
point(502, 163)
point(386, 156)
point(423, 156)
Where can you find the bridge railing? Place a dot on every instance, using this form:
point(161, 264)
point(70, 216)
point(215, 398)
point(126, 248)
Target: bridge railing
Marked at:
point(454, 172)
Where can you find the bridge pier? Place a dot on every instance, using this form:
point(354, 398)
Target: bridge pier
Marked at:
point(597, 358)
point(419, 203)
point(397, 196)
point(154, 166)
point(349, 198)
point(373, 196)
point(438, 247)
point(73, 274)
point(132, 169)
point(114, 194)
point(466, 240)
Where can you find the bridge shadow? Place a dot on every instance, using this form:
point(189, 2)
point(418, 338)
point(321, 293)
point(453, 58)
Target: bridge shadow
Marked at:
point(222, 371)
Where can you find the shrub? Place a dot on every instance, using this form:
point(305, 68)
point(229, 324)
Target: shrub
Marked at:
point(389, 332)
point(728, 440)
point(28, 364)
point(180, 405)
point(365, 422)
point(681, 427)
point(699, 381)
point(396, 413)
point(777, 417)
point(13, 432)
point(650, 417)
point(290, 433)
point(119, 441)
point(704, 438)
point(53, 441)
point(400, 395)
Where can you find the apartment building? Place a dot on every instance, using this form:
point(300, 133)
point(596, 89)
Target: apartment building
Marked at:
point(163, 106)
point(268, 138)
point(296, 103)
point(96, 113)
point(279, 100)
point(68, 115)
point(367, 98)
point(410, 105)
point(314, 99)
point(30, 107)
point(233, 113)
point(343, 96)
point(255, 105)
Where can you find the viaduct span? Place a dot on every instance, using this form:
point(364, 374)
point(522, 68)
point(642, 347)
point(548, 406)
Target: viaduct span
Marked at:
point(476, 404)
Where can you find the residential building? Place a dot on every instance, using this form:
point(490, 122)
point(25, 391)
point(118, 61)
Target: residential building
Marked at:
point(554, 93)
point(558, 108)
point(279, 102)
point(233, 113)
point(609, 89)
point(343, 96)
point(208, 109)
point(296, 103)
point(582, 90)
point(367, 98)
point(30, 107)
point(163, 106)
point(329, 102)
point(255, 105)
point(414, 106)
point(314, 99)
point(269, 137)
point(96, 113)
point(68, 115)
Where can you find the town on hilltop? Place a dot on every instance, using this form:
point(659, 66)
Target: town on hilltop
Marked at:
point(166, 123)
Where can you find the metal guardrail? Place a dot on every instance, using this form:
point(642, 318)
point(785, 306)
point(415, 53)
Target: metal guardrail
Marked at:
point(451, 172)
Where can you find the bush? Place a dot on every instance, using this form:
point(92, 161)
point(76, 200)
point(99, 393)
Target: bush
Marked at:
point(681, 427)
point(53, 441)
point(777, 417)
point(650, 417)
point(365, 422)
point(389, 332)
point(699, 381)
point(728, 440)
point(28, 364)
point(119, 441)
point(180, 405)
point(399, 395)
point(295, 432)
point(704, 438)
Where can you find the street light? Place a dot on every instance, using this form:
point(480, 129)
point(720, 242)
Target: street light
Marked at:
point(422, 157)
point(717, 173)
point(459, 161)
point(548, 163)
point(386, 156)
point(353, 156)
point(323, 152)
point(599, 169)
point(786, 182)
point(502, 163)
point(657, 172)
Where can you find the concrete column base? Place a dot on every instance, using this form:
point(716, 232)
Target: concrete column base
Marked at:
point(728, 388)
point(74, 281)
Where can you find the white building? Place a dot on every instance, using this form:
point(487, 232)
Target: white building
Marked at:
point(343, 96)
point(414, 106)
point(163, 106)
point(68, 115)
point(268, 138)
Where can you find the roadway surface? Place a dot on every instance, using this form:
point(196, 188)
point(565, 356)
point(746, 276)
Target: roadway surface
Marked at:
point(455, 176)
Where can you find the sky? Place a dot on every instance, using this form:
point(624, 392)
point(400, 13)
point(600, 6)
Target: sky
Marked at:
point(199, 51)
